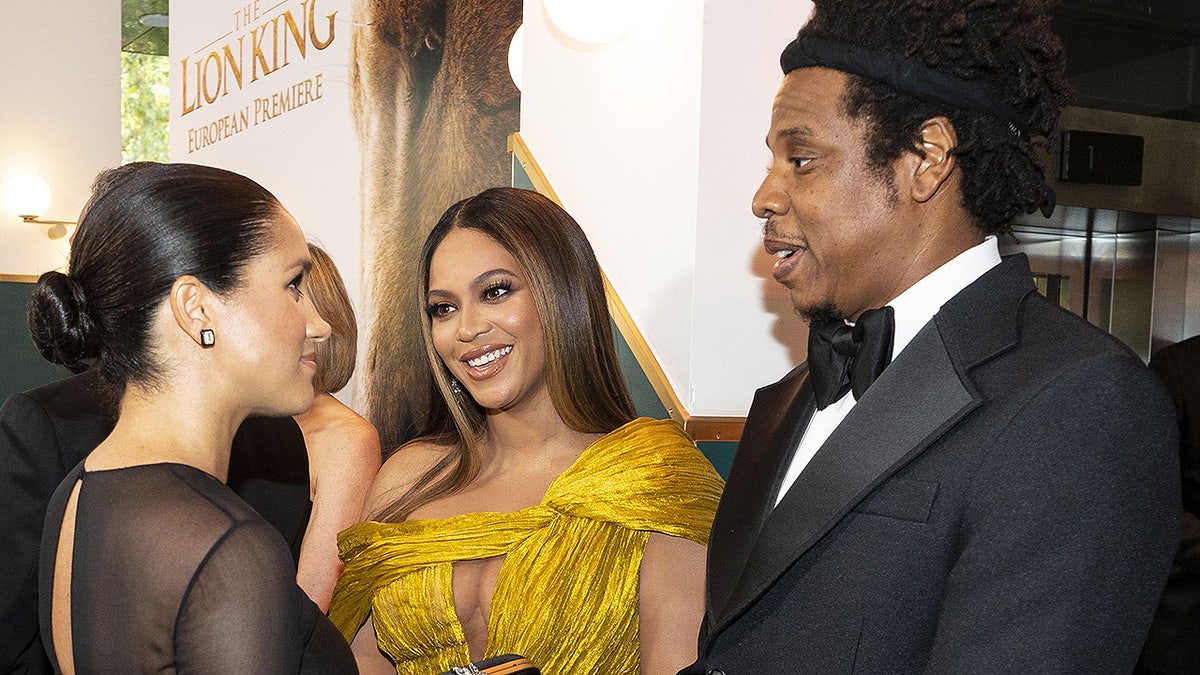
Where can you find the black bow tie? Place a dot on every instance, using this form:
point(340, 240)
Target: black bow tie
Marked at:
point(842, 357)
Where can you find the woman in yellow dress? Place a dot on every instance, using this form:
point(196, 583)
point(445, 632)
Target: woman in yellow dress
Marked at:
point(535, 514)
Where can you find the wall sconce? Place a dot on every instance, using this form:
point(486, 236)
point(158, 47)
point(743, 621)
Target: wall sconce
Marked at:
point(28, 196)
point(593, 22)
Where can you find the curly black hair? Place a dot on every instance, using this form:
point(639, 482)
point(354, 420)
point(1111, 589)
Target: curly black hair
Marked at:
point(1006, 44)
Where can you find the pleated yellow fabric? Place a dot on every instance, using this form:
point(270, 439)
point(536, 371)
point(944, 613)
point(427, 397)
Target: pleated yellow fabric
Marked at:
point(567, 592)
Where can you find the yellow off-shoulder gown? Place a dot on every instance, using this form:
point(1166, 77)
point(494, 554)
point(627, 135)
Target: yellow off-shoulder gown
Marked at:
point(567, 592)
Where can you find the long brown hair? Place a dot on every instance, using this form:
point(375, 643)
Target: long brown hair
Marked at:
point(582, 372)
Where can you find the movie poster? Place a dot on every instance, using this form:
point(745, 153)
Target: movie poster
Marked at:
point(367, 120)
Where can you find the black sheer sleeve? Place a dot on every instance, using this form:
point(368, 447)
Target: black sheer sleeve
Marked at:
point(246, 581)
point(286, 633)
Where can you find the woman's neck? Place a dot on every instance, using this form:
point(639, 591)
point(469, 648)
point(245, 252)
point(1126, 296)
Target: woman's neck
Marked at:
point(536, 433)
point(164, 425)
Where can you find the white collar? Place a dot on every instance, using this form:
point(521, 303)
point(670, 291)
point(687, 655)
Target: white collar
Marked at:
point(917, 305)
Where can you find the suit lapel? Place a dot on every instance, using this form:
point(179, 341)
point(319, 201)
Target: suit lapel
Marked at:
point(915, 401)
point(763, 454)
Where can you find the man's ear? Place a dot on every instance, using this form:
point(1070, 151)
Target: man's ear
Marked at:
point(193, 305)
point(930, 172)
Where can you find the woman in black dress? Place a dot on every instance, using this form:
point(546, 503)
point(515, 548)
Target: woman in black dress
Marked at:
point(187, 287)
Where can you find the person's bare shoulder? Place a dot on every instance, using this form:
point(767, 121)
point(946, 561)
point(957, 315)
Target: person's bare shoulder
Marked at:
point(340, 419)
point(401, 470)
point(362, 438)
point(343, 443)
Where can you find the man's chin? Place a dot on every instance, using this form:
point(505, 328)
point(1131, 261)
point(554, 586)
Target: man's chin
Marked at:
point(819, 314)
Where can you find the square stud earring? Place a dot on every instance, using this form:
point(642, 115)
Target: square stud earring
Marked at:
point(207, 337)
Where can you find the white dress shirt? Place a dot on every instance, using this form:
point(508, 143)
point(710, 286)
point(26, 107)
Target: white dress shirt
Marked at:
point(913, 309)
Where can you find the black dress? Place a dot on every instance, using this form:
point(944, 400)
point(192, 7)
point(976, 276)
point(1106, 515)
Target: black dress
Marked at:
point(45, 432)
point(173, 573)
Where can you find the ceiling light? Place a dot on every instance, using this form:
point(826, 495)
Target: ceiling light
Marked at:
point(593, 22)
point(516, 56)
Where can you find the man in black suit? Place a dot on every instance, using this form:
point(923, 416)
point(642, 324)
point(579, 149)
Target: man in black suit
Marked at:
point(1173, 645)
point(46, 432)
point(1001, 497)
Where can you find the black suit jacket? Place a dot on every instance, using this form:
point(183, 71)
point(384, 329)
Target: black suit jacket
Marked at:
point(1174, 642)
point(46, 432)
point(1000, 500)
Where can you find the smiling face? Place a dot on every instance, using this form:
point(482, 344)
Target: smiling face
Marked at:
point(485, 323)
point(835, 226)
point(269, 329)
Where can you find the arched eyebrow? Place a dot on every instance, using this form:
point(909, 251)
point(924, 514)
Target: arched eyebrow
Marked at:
point(477, 282)
point(482, 278)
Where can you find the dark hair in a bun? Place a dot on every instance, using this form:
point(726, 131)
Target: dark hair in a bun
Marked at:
point(59, 322)
point(146, 225)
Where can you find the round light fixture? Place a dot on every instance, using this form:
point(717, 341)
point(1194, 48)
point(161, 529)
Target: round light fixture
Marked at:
point(27, 196)
point(516, 56)
point(593, 22)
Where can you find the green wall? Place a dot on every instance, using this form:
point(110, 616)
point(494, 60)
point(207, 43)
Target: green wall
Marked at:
point(23, 367)
point(720, 453)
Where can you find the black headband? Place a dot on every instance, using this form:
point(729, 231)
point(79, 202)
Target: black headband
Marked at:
point(908, 75)
point(911, 76)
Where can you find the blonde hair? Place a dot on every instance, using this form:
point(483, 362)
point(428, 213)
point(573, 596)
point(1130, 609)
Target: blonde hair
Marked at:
point(336, 355)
